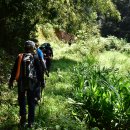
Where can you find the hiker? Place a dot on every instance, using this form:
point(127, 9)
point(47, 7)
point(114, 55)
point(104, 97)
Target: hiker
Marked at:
point(44, 69)
point(48, 54)
point(40, 53)
point(28, 74)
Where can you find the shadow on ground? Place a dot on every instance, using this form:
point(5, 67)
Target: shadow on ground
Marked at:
point(10, 127)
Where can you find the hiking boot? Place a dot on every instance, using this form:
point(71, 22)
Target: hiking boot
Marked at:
point(36, 100)
point(23, 125)
point(30, 125)
point(23, 121)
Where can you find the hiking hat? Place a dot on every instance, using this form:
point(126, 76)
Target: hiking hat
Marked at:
point(30, 43)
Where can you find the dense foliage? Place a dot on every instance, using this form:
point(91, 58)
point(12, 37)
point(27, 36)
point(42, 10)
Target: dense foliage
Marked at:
point(18, 19)
point(101, 95)
point(118, 28)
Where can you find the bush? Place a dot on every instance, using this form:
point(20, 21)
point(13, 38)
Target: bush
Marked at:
point(101, 95)
point(114, 43)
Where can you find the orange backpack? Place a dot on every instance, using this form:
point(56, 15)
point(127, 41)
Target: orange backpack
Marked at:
point(20, 56)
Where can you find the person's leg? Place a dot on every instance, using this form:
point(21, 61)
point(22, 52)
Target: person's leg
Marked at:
point(48, 64)
point(37, 92)
point(31, 107)
point(22, 105)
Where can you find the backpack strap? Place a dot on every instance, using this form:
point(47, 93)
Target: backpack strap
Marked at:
point(20, 56)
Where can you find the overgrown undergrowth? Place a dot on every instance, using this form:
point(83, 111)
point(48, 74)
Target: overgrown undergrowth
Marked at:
point(102, 94)
point(76, 100)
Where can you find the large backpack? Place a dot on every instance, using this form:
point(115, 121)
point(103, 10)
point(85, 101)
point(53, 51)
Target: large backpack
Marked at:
point(48, 49)
point(28, 69)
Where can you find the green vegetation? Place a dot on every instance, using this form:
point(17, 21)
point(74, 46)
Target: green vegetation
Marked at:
point(103, 95)
point(19, 18)
point(88, 87)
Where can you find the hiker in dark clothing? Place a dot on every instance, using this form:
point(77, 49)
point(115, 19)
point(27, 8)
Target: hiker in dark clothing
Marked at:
point(48, 54)
point(44, 70)
point(28, 73)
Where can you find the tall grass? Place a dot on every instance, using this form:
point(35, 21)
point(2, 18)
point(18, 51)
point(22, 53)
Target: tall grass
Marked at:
point(100, 91)
point(103, 93)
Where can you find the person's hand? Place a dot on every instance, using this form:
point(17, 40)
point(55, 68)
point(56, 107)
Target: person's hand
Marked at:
point(10, 85)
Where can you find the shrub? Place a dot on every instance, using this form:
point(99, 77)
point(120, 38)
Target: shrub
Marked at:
point(101, 95)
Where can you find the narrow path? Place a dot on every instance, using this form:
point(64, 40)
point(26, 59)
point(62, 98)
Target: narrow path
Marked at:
point(55, 109)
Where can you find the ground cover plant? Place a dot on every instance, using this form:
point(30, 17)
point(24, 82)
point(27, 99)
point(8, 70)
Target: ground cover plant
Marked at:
point(54, 111)
point(87, 89)
point(102, 94)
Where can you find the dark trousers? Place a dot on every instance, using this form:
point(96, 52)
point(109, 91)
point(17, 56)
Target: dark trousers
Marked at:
point(31, 104)
point(48, 64)
point(38, 91)
point(28, 90)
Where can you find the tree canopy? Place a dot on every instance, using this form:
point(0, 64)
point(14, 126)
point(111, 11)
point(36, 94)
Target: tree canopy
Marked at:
point(18, 19)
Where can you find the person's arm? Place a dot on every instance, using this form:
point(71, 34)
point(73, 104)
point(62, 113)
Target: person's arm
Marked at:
point(51, 52)
point(44, 67)
point(13, 74)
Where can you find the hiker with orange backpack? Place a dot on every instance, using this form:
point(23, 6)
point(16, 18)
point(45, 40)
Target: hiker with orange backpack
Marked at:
point(28, 73)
